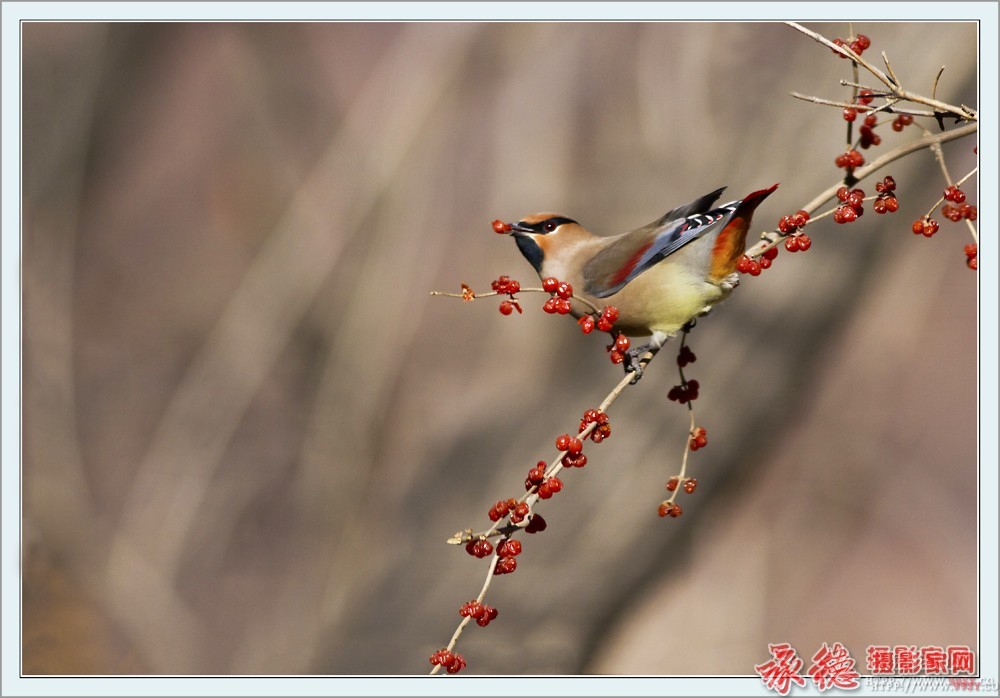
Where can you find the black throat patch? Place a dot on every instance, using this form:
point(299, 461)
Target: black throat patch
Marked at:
point(531, 251)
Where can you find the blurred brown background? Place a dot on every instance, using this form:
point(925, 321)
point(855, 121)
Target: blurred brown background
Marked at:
point(249, 430)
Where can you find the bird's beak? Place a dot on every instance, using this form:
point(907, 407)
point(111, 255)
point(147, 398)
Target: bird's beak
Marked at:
point(516, 228)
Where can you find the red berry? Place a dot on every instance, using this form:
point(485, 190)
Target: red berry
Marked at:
point(973, 263)
point(930, 227)
point(616, 357)
point(918, 227)
point(604, 325)
point(743, 265)
point(520, 511)
point(850, 114)
point(555, 484)
point(971, 250)
point(865, 96)
point(897, 125)
point(506, 565)
point(563, 306)
point(754, 268)
point(891, 204)
point(805, 242)
point(509, 548)
point(843, 193)
point(575, 460)
point(879, 205)
point(764, 262)
point(500, 227)
point(864, 42)
point(564, 290)
point(792, 241)
point(550, 305)
point(685, 356)
point(455, 665)
point(889, 184)
point(586, 324)
point(672, 484)
point(871, 120)
point(690, 484)
point(575, 445)
point(506, 308)
point(536, 524)
point(970, 211)
point(550, 284)
point(622, 343)
point(562, 442)
point(479, 548)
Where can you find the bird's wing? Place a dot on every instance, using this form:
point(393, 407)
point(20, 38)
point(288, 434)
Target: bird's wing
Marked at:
point(633, 253)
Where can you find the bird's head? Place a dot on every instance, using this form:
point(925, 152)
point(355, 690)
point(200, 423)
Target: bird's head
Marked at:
point(543, 234)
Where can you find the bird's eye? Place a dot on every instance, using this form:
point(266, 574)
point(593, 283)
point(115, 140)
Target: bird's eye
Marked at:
point(549, 226)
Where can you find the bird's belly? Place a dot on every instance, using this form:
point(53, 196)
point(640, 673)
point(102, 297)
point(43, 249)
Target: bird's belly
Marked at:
point(663, 299)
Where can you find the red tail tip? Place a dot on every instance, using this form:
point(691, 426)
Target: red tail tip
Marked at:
point(753, 199)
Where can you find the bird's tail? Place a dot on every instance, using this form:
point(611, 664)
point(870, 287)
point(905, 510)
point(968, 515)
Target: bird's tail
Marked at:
point(752, 201)
point(731, 242)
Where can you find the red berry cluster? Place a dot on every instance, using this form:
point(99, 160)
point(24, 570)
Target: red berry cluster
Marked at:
point(559, 303)
point(858, 45)
point(748, 265)
point(849, 159)
point(517, 511)
point(508, 550)
point(670, 509)
point(551, 486)
point(480, 547)
point(972, 255)
point(793, 223)
point(868, 136)
point(500, 227)
point(609, 316)
point(685, 392)
point(685, 356)
point(616, 350)
point(573, 447)
point(798, 243)
point(962, 210)
point(886, 201)
point(925, 226)
point(901, 122)
point(451, 661)
point(507, 286)
point(957, 213)
point(483, 613)
point(535, 476)
point(601, 432)
point(699, 438)
point(853, 206)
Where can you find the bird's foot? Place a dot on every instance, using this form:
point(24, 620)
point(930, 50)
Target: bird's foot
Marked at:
point(634, 358)
point(730, 282)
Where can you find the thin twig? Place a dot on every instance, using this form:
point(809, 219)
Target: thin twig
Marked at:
point(941, 108)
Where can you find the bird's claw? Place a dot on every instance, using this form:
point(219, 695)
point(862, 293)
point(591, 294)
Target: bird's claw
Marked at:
point(633, 363)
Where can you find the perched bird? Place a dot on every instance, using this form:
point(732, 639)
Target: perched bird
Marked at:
point(660, 276)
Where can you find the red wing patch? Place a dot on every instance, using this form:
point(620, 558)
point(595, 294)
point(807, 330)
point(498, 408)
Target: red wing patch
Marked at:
point(623, 273)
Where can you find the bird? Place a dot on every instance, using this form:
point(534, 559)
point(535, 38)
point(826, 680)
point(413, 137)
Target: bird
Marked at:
point(660, 277)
